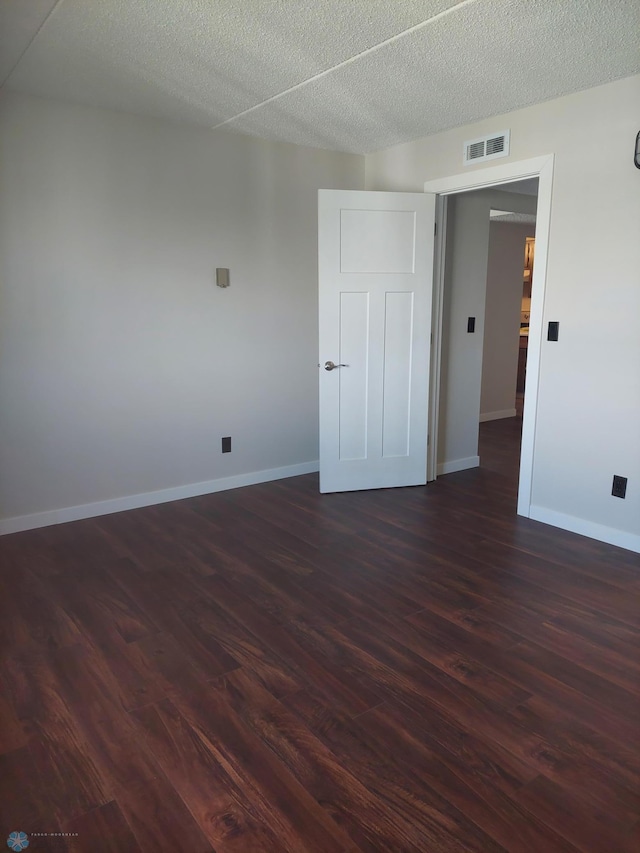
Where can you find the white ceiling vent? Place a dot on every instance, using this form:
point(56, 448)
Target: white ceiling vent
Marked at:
point(486, 148)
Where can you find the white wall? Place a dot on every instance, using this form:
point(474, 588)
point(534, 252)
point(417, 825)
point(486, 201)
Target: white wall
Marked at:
point(588, 423)
point(502, 318)
point(121, 363)
point(465, 291)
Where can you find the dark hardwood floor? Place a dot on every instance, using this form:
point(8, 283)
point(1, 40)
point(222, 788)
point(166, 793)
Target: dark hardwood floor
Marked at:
point(270, 669)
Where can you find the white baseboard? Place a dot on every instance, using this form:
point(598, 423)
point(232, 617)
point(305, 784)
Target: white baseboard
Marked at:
point(458, 465)
point(75, 513)
point(610, 535)
point(496, 416)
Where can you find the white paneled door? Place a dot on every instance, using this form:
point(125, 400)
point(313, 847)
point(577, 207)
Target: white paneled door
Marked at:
point(375, 291)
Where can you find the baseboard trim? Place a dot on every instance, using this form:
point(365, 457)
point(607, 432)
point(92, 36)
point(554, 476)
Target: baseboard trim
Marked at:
point(458, 465)
point(496, 416)
point(601, 532)
point(76, 513)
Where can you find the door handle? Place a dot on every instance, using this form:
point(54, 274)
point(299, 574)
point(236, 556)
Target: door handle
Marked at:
point(329, 365)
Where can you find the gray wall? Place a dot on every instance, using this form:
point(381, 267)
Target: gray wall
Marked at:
point(121, 363)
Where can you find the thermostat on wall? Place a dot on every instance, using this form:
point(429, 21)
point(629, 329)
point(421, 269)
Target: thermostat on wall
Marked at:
point(222, 277)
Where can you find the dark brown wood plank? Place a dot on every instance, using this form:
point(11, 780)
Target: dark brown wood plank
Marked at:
point(376, 821)
point(476, 786)
point(57, 749)
point(245, 647)
point(631, 841)
point(25, 805)
point(130, 772)
point(603, 646)
point(216, 800)
point(165, 593)
point(527, 665)
point(12, 734)
point(354, 694)
point(559, 809)
point(471, 660)
point(577, 737)
point(281, 803)
point(103, 830)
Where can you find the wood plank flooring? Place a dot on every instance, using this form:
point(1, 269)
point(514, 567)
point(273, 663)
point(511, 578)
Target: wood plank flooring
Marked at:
point(271, 669)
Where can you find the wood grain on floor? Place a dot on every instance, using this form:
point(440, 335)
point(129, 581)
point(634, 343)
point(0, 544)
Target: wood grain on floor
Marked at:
point(271, 669)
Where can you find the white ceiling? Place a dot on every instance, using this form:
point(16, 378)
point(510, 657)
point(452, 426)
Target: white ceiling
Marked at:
point(510, 218)
point(351, 75)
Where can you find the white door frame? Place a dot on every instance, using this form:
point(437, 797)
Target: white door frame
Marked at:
point(536, 167)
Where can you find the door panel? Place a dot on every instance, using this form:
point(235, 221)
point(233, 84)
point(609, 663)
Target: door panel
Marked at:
point(398, 345)
point(375, 290)
point(354, 351)
point(377, 241)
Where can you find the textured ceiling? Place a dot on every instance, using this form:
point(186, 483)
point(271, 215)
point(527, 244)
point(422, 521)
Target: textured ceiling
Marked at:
point(508, 218)
point(352, 75)
point(19, 23)
point(529, 186)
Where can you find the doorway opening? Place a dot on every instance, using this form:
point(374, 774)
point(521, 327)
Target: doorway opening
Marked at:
point(460, 313)
point(485, 325)
point(507, 312)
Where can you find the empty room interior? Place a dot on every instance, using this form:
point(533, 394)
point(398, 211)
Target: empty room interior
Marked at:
point(320, 426)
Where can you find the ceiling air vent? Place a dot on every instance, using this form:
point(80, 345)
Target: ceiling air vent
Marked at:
point(486, 148)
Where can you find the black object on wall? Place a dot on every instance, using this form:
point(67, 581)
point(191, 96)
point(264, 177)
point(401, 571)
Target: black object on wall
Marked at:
point(552, 333)
point(471, 324)
point(619, 489)
point(636, 155)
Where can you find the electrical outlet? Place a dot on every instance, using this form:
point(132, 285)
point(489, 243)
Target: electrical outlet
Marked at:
point(226, 444)
point(619, 489)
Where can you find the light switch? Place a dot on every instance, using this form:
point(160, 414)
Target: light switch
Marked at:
point(222, 277)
